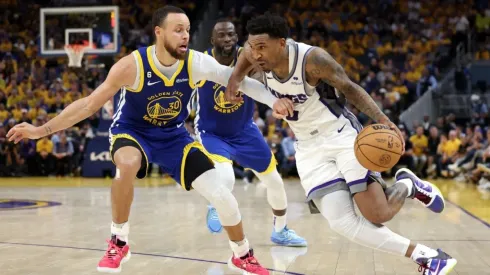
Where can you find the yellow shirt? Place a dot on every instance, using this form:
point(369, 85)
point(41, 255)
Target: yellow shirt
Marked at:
point(451, 147)
point(3, 115)
point(44, 145)
point(419, 144)
point(17, 114)
point(401, 89)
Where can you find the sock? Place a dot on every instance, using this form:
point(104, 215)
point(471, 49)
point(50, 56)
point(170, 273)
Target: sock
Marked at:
point(240, 248)
point(409, 185)
point(120, 232)
point(279, 223)
point(422, 251)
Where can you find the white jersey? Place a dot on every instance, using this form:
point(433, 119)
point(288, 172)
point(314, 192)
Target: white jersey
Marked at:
point(316, 109)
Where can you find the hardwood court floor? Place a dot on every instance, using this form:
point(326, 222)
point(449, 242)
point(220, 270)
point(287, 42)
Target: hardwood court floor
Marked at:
point(169, 236)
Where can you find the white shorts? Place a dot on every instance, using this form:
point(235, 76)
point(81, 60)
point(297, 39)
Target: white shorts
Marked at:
point(326, 162)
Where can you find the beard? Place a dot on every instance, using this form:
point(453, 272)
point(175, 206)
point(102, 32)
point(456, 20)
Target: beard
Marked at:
point(174, 51)
point(225, 53)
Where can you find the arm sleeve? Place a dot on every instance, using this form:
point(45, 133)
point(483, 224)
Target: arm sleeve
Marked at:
point(205, 67)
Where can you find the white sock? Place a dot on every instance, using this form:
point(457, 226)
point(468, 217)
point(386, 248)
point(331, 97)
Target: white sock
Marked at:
point(121, 231)
point(240, 248)
point(279, 223)
point(422, 251)
point(409, 185)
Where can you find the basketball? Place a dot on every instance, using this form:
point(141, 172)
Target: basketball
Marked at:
point(378, 148)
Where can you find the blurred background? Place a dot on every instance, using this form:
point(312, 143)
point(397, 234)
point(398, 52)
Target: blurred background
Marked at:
point(425, 63)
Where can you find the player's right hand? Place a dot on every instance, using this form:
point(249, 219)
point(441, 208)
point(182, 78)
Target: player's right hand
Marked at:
point(282, 108)
point(232, 94)
point(24, 130)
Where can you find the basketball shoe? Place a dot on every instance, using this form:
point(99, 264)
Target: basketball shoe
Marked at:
point(441, 264)
point(287, 237)
point(212, 220)
point(247, 265)
point(114, 257)
point(425, 192)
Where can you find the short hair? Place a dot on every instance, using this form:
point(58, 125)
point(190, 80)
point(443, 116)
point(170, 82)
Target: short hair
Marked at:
point(161, 14)
point(224, 20)
point(273, 25)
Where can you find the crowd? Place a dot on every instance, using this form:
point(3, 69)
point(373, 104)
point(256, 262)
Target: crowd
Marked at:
point(388, 47)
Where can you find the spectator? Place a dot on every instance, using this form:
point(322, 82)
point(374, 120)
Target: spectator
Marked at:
point(420, 145)
point(479, 110)
point(259, 121)
point(44, 155)
point(289, 151)
point(407, 159)
point(63, 151)
point(27, 151)
point(448, 150)
point(426, 82)
point(432, 159)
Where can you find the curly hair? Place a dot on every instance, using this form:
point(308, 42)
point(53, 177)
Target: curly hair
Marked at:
point(273, 25)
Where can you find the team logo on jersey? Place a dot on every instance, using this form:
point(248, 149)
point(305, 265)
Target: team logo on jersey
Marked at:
point(221, 105)
point(163, 107)
point(15, 204)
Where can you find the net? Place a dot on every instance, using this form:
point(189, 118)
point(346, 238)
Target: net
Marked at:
point(75, 55)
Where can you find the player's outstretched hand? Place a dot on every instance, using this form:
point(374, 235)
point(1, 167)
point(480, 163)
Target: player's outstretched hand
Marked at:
point(23, 130)
point(232, 94)
point(283, 107)
point(393, 127)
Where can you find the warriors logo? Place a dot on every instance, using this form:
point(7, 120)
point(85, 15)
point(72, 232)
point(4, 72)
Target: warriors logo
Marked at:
point(222, 105)
point(13, 204)
point(163, 107)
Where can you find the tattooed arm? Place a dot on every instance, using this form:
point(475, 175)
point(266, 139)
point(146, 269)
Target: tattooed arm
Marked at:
point(320, 66)
point(121, 74)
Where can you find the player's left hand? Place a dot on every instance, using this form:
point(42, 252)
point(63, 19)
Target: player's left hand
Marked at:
point(23, 130)
point(282, 108)
point(393, 127)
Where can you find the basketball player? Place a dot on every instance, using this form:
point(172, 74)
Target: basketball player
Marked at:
point(326, 130)
point(228, 130)
point(157, 84)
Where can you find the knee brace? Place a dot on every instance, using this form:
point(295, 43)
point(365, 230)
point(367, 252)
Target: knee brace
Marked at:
point(219, 196)
point(226, 174)
point(276, 194)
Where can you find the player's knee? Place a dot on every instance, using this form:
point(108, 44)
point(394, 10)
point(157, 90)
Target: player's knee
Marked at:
point(226, 205)
point(220, 197)
point(226, 174)
point(129, 165)
point(346, 226)
point(379, 215)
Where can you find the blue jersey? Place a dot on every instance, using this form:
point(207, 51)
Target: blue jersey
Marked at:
point(159, 105)
point(217, 116)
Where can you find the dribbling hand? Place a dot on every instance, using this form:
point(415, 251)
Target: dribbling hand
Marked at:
point(393, 127)
point(22, 131)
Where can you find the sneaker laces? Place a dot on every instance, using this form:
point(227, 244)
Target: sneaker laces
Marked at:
point(214, 215)
point(424, 267)
point(113, 250)
point(249, 259)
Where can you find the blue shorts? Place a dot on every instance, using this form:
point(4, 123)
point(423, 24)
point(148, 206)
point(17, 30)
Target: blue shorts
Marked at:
point(168, 150)
point(248, 148)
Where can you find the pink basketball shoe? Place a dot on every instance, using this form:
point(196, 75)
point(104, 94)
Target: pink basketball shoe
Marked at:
point(247, 265)
point(114, 257)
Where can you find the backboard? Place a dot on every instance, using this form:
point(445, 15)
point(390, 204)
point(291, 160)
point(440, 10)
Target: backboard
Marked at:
point(97, 27)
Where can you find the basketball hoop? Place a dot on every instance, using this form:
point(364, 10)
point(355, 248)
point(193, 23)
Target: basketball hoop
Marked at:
point(75, 54)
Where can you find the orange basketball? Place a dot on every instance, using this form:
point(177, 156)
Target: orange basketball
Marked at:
point(378, 148)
